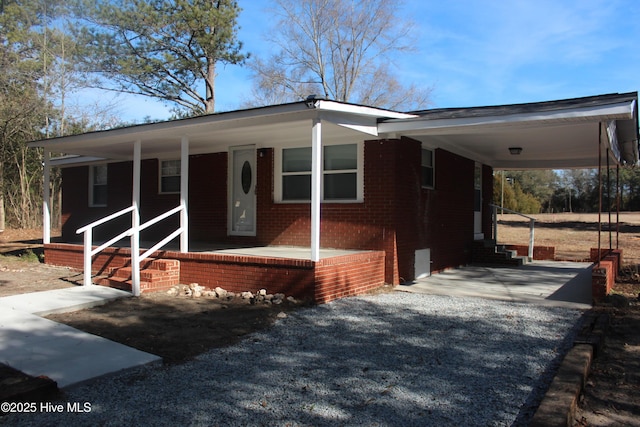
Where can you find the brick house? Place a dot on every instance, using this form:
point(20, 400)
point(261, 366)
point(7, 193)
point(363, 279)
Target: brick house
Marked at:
point(318, 198)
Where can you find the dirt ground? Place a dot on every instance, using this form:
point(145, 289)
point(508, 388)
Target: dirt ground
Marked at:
point(179, 328)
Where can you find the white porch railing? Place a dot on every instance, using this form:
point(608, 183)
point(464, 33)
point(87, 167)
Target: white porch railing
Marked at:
point(134, 233)
point(532, 221)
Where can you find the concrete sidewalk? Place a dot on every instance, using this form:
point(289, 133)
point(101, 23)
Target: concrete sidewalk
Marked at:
point(37, 346)
point(550, 283)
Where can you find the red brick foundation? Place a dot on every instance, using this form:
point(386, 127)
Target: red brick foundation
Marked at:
point(321, 281)
point(539, 252)
point(605, 271)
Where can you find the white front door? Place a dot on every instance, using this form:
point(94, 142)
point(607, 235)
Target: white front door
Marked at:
point(477, 203)
point(242, 200)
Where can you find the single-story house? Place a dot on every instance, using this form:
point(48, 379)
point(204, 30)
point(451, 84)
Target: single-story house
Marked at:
point(317, 198)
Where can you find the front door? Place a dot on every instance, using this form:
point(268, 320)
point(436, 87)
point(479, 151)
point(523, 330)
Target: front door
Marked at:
point(242, 203)
point(477, 203)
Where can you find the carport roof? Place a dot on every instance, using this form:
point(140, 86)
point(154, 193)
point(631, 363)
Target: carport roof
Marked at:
point(552, 135)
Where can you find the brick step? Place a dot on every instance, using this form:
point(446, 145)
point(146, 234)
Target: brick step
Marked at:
point(155, 275)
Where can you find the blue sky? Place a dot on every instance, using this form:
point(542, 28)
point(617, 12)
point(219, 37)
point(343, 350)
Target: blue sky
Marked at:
point(480, 52)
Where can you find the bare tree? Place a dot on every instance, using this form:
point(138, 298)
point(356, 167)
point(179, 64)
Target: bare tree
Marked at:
point(342, 49)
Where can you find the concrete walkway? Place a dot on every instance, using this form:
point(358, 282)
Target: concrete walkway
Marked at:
point(37, 346)
point(551, 283)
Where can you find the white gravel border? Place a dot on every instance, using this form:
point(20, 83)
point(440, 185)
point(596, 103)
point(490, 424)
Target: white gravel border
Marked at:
point(386, 360)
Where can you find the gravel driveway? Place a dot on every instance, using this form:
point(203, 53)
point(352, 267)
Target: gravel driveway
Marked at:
point(386, 360)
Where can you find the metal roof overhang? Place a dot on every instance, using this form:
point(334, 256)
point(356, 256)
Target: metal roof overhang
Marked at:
point(262, 127)
point(562, 136)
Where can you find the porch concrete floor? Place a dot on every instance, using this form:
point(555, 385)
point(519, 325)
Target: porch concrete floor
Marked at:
point(286, 252)
point(291, 252)
point(562, 284)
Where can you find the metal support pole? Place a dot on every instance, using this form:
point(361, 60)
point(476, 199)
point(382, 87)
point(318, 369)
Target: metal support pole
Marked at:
point(609, 202)
point(599, 191)
point(618, 191)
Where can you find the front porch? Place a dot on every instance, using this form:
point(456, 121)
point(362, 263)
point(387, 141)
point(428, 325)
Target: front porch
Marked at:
point(278, 269)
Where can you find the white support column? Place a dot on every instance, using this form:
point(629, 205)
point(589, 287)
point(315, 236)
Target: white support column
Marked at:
point(316, 186)
point(184, 194)
point(135, 220)
point(46, 196)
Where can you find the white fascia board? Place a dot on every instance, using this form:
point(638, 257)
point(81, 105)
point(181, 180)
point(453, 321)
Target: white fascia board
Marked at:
point(361, 110)
point(619, 111)
point(132, 133)
point(367, 125)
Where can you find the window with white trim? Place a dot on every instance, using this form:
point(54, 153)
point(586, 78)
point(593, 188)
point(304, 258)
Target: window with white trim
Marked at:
point(340, 174)
point(169, 176)
point(427, 178)
point(98, 185)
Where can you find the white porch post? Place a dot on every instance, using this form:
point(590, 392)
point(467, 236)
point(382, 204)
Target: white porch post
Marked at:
point(316, 182)
point(46, 208)
point(184, 194)
point(135, 220)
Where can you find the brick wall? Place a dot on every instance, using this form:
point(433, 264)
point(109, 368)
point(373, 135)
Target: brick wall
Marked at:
point(397, 215)
point(447, 212)
point(348, 275)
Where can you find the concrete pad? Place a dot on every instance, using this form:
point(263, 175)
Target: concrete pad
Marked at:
point(37, 346)
point(62, 300)
point(563, 284)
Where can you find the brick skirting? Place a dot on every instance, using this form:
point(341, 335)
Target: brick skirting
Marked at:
point(321, 281)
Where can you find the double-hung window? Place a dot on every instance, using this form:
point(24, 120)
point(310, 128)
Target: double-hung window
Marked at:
point(340, 173)
point(98, 185)
point(169, 176)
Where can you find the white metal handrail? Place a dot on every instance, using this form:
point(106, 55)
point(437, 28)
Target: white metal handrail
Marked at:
point(531, 219)
point(88, 253)
point(105, 219)
point(134, 233)
point(167, 239)
point(136, 257)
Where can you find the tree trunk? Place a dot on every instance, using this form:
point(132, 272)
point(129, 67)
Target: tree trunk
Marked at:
point(210, 83)
point(2, 213)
